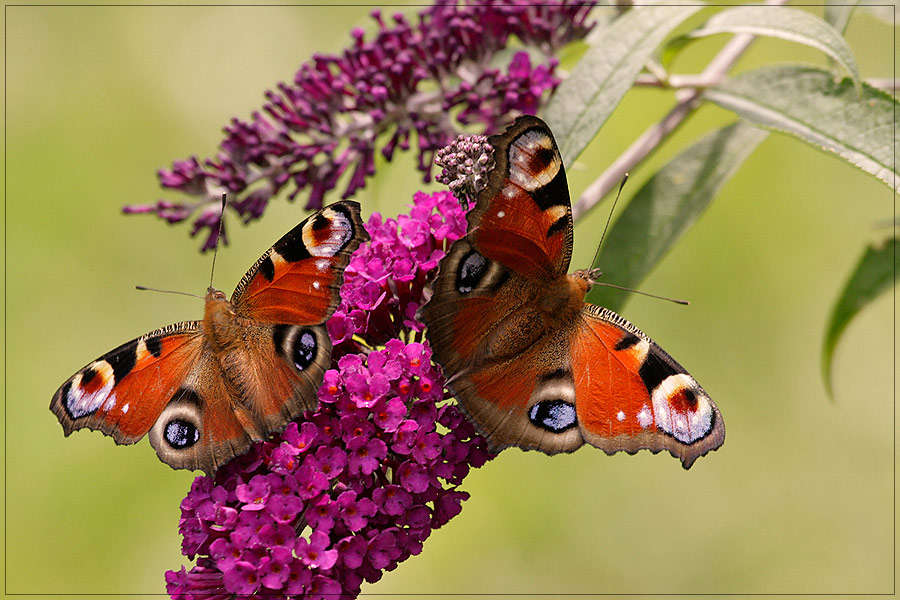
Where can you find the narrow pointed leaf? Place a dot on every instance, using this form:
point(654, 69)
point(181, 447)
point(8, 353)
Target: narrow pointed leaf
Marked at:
point(806, 102)
point(873, 276)
point(785, 23)
point(586, 98)
point(666, 207)
point(837, 13)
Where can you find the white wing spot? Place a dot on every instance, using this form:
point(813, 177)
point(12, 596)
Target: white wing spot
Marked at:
point(501, 214)
point(620, 416)
point(645, 417)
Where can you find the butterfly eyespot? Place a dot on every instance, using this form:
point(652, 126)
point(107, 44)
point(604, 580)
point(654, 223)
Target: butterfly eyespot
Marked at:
point(181, 434)
point(472, 269)
point(553, 415)
point(90, 390)
point(682, 410)
point(305, 350)
point(328, 233)
point(296, 344)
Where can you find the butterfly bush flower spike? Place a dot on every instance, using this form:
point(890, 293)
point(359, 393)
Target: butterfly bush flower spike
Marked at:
point(392, 89)
point(359, 485)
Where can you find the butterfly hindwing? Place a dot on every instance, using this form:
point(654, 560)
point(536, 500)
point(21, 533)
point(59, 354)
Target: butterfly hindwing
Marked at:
point(278, 370)
point(201, 426)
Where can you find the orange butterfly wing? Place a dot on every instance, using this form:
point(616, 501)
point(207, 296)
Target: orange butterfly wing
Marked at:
point(523, 218)
point(122, 392)
point(297, 281)
point(144, 386)
point(640, 398)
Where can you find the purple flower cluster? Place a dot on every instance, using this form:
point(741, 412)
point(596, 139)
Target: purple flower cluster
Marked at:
point(386, 279)
point(356, 487)
point(340, 110)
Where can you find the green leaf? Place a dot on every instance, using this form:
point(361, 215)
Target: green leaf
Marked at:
point(586, 98)
point(666, 207)
point(873, 276)
point(837, 13)
point(785, 23)
point(806, 102)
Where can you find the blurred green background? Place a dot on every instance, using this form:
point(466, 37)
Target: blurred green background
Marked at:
point(799, 500)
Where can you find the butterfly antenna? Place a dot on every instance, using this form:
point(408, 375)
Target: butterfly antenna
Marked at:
point(597, 253)
point(608, 219)
point(150, 289)
point(649, 295)
point(212, 271)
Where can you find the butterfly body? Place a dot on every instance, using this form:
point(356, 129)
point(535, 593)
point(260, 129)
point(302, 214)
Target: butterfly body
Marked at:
point(205, 390)
point(529, 361)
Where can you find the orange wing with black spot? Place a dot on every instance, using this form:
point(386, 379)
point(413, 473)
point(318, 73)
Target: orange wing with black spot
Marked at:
point(297, 281)
point(631, 395)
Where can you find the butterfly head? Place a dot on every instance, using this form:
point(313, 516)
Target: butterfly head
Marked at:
point(212, 294)
point(589, 276)
point(584, 279)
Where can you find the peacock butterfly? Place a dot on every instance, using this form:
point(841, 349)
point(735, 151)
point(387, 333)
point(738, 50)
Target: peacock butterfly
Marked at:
point(528, 360)
point(204, 390)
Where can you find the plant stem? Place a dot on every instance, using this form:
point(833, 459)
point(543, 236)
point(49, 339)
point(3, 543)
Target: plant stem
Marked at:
point(688, 99)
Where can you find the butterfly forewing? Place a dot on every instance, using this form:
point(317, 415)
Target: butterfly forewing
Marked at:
point(640, 397)
point(122, 392)
point(297, 281)
point(523, 218)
